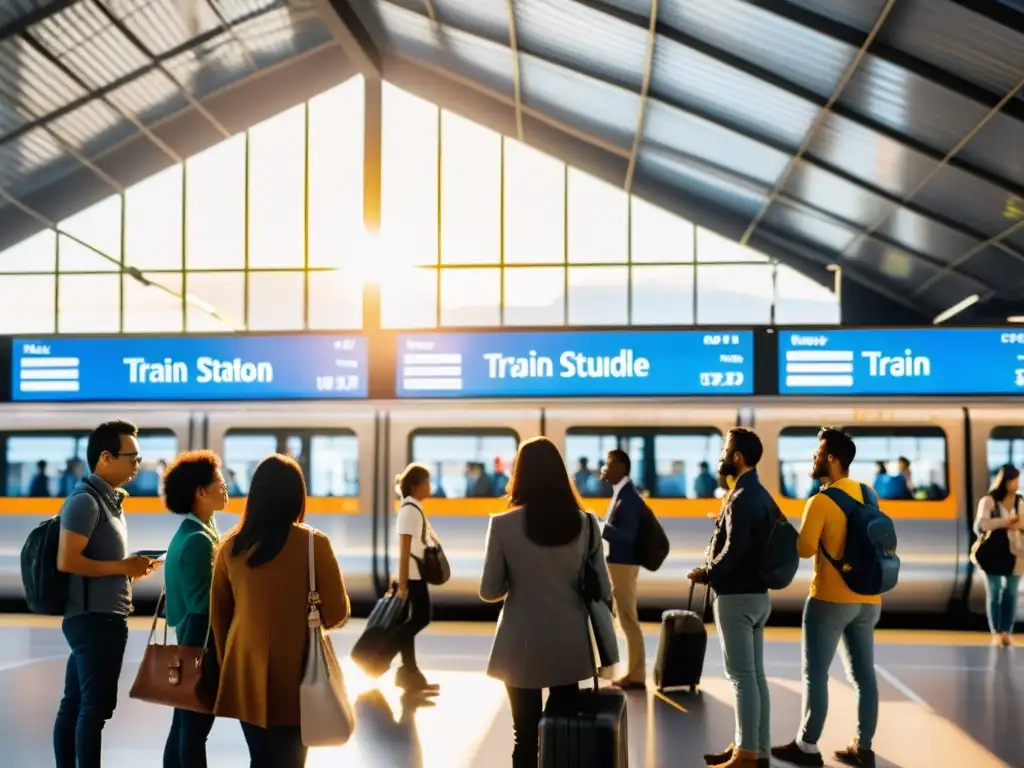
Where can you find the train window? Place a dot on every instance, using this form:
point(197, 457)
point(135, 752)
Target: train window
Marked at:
point(898, 462)
point(666, 463)
point(50, 464)
point(1005, 446)
point(466, 464)
point(329, 458)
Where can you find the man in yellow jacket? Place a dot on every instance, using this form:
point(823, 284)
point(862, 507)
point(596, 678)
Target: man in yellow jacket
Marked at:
point(834, 612)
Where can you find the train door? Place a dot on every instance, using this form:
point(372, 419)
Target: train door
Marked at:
point(674, 451)
point(43, 456)
point(335, 446)
point(997, 438)
point(469, 450)
point(913, 456)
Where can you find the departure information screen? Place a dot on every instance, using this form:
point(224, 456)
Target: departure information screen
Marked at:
point(575, 364)
point(189, 368)
point(934, 361)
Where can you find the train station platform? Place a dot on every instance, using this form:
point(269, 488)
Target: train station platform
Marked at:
point(948, 699)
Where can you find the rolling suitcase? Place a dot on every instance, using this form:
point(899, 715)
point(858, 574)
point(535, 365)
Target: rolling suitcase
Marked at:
point(681, 647)
point(377, 646)
point(587, 731)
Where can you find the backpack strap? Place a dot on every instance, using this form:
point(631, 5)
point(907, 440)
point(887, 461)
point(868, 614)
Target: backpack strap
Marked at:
point(90, 490)
point(846, 503)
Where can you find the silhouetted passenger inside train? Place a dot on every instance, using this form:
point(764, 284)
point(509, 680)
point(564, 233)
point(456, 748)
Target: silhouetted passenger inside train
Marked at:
point(901, 485)
point(499, 480)
point(532, 561)
point(40, 485)
point(195, 489)
point(259, 612)
point(74, 470)
point(704, 485)
point(583, 479)
point(882, 479)
point(478, 484)
point(234, 489)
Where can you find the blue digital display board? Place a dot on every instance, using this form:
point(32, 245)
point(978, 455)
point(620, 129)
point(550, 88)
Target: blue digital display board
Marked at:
point(935, 361)
point(189, 368)
point(575, 364)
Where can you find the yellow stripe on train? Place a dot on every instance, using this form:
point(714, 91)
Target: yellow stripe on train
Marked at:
point(944, 509)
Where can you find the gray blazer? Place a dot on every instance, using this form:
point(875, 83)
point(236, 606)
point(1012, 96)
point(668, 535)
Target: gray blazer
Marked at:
point(543, 635)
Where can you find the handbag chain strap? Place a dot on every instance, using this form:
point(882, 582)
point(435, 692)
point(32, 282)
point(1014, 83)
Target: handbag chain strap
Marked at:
point(313, 599)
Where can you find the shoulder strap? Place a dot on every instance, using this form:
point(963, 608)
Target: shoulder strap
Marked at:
point(313, 598)
point(588, 550)
point(423, 515)
point(842, 499)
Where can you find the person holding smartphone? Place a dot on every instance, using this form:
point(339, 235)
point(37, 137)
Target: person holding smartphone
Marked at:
point(999, 516)
point(93, 550)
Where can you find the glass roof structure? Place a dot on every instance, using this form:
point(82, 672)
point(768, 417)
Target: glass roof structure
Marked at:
point(885, 136)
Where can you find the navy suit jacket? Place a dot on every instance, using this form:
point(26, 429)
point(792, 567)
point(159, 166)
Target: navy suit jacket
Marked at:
point(620, 529)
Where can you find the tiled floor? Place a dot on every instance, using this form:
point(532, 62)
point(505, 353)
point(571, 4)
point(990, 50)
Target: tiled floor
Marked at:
point(947, 700)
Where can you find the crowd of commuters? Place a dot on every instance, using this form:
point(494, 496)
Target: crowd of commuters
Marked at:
point(245, 592)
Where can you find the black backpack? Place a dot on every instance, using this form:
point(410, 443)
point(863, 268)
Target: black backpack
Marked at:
point(650, 547)
point(46, 588)
point(779, 559)
point(869, 565)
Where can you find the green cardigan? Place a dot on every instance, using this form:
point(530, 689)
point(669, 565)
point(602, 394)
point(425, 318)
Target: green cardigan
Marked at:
point(188, 571)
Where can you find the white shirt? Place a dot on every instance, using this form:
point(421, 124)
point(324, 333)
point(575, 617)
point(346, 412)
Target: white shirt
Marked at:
point(615, 494)
point(410, 522)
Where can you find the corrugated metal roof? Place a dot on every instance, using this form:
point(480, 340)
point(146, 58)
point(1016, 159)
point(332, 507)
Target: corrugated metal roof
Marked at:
point(735, 88)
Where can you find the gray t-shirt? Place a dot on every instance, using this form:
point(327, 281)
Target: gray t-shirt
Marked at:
point(108, 540)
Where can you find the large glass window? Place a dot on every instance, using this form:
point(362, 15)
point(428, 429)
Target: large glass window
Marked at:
point(466, 464)
point(98, 226)
point(329, 458)
point(149, 308)
point(153, 224)
point(34, 254)
point(900, 463)
point(534, 206)
point(27, 302)
point(736, 294)
point(277, 191)
point(666, 463)
point(535, 296)
point(470, 192)
point(49, 464)
point(598, 221)
point(1005, 446)
point(215, 206)
point(89, 303)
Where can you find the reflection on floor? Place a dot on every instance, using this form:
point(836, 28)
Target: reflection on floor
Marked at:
point(947, 700)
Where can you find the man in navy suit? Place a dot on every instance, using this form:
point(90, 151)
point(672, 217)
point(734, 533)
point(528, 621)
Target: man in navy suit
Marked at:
point(620, 531)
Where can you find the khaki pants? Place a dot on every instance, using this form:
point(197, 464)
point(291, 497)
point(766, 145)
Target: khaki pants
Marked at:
point(624, 590)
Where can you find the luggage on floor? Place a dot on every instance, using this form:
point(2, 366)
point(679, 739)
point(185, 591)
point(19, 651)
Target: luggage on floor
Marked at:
point(377, 646)
point(681, 647)
point(585, 731)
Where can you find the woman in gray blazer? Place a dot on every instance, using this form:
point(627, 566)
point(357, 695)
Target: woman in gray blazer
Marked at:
point(533, 561)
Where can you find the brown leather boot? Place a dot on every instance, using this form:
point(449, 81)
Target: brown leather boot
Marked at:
point(717, 758)
point(741, 759)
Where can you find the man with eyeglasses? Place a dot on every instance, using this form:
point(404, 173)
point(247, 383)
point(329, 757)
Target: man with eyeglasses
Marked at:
point(93, 549)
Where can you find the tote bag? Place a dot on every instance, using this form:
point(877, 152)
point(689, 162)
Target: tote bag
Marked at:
point(326, 715)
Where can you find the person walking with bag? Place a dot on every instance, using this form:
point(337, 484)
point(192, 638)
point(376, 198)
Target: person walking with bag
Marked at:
point(412, 487)
point(999, 553)
point(259, 612)
point(195, 489)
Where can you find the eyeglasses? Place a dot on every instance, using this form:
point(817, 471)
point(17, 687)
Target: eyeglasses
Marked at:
point(132, 456)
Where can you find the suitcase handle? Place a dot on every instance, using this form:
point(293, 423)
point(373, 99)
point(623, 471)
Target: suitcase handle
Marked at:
point(707, 596)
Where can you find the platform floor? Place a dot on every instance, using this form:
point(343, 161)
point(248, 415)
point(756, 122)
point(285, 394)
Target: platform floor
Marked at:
point(948, 699)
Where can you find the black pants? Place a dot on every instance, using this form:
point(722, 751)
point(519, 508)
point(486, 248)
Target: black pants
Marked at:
point(97, 643)
point(527, 708)
point(277, 747)
point(419, 617)
point(186, 743)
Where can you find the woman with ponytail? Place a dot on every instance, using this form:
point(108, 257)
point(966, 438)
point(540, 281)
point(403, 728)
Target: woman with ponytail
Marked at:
point(412, 486)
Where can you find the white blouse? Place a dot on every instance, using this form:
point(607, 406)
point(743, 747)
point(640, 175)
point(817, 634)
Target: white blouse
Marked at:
point(991, 517)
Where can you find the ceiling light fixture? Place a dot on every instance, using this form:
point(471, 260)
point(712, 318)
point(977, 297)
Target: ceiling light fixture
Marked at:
point(956, 309)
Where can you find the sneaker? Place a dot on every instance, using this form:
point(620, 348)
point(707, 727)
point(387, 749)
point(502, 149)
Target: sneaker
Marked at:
point(854, 755)
point(411, 680)
point(791, 753)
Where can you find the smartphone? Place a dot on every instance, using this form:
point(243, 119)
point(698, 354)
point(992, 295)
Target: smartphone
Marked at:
point(152, 554)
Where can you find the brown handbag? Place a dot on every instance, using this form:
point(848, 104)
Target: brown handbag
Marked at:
point(178, 676)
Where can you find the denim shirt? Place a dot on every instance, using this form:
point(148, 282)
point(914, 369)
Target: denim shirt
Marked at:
point(734, 554)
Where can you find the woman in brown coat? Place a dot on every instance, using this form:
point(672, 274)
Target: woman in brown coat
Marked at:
point(258, 607)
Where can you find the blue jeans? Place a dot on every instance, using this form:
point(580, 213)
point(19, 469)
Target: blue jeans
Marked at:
point(740, 620)
point(824, 624)
point(97, 643)
point(1002, 602)
point(186, 743)
point(275, 747)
